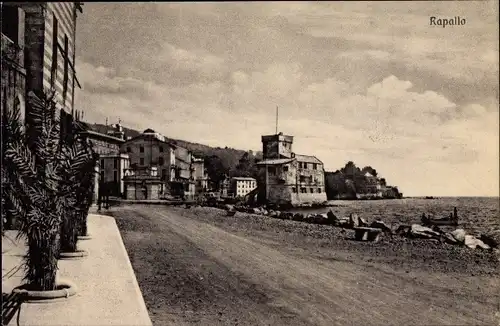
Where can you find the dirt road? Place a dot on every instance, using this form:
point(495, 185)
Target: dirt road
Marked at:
point(194, 272)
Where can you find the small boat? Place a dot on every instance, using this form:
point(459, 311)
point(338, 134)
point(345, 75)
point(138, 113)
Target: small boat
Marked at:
point(452, 220)
point(429, 197)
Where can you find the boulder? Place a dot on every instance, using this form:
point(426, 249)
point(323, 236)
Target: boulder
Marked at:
point(419, 231)
point(298, 217)
point(380, 225)
point(362, 222)
point(403, 230)
point(320, 219)
point(229, 207)
point(257, 211)
point(473, 243)
point(332, 219)
point(343, 222)
point(353, 220)
point(448, 238)
point(459, 235)
point(489, 240)
point(264, 212)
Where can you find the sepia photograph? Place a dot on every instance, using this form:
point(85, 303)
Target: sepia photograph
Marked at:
point(250, 163)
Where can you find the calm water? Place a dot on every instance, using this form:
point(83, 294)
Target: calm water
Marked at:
point(476, 214)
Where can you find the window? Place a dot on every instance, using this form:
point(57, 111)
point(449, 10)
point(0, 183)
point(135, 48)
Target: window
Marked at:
point(160, 161)
point(53, 68)
point(129, 150)
point(319, 190)
point(10, 22)
point(302, 178)
point(141, 149)
point(141, 161)
point(285, 168)
point(102, 163)
point(303, 190)
point(66, 63)
point(312, 190)
point(271, 170)
point(315, 166)
point(161, 149)
point(294, 190)
point(115, 176)
point(300, 165)
point(115, 163)
point(164, 174)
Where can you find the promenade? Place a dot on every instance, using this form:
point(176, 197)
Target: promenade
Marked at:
point(107, 289)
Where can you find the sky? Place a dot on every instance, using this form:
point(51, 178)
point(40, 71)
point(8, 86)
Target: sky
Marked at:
point(373, 83)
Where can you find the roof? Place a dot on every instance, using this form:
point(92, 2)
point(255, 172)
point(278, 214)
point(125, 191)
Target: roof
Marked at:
point(244, 178)
point(149, 135)
point(308, 159)
point(99, 135)
point(149, 131)
point(277, 161)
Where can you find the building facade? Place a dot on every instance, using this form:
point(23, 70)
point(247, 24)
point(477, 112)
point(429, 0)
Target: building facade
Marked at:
point(200, 175)
point(242, 186)
point(150, 149)
point(50, 49)
point(286, 178)
point(142, 183)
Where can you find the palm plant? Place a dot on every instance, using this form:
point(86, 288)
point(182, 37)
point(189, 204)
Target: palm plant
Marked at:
point(31, 167)
point(44, 177)
point(79, 161)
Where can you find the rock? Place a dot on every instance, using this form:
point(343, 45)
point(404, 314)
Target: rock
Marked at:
point(380, 225)
point(344, 222)
point(332, 219)
point(353, 220)
point(459, 235)
point(403, 230)
point(229, 207)
point(362, 222)
point(257, 211)
point(472, 242)
point(264, 212)
point(488, 240)
point(448, 238)
point(298, 217)
point(320, 219)
point(420, 231)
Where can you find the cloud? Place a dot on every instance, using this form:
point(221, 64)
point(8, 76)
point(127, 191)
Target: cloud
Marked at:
point(190, 60)
point(370, 83)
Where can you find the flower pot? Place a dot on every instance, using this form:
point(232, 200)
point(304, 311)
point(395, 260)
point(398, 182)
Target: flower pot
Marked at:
point(64, 290)
point(85, 237)
point(73, 255)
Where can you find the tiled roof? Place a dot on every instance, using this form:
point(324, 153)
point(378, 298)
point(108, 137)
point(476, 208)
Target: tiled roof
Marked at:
point(276, 161)
point(307, 159)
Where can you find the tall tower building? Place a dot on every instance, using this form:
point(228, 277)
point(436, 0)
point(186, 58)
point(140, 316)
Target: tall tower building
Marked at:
point(277, 146)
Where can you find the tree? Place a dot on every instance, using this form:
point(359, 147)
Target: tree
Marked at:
point(215, 169)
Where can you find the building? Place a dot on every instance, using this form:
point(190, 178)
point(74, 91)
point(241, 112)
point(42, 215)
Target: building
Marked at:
point(286, 178)
point(176, 167)
point(107, 146)
point(200, 175)
point(142, 183)
point(242, 186)
point(224, 186)
point(112, 169)
point(50, 47)
point(184, 182)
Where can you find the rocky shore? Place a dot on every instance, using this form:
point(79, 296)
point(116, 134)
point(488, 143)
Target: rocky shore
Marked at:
point(445, 249)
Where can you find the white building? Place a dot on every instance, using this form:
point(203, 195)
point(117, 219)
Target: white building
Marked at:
point(241, 186)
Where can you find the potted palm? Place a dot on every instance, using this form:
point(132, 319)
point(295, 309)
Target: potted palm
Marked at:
point(32, 170)
point(78, 162)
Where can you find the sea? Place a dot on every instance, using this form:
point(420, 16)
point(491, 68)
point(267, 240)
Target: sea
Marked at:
point(475, 214)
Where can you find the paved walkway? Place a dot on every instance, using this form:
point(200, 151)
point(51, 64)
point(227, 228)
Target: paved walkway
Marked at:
point(107, 289)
